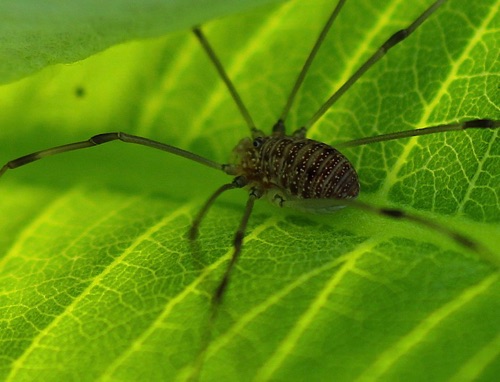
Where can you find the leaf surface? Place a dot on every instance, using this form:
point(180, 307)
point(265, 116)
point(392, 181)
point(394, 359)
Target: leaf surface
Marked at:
point(97, 278)
point(39, 34)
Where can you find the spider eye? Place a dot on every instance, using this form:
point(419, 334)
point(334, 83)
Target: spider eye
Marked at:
point(257, 142)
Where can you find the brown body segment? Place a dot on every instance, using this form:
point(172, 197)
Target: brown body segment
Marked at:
point(299, 168)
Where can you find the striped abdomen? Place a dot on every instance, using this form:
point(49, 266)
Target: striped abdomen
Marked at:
point(300, 167)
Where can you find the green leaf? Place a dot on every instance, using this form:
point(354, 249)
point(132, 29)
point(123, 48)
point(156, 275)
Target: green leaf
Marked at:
point(39, 34)
point(97, 279)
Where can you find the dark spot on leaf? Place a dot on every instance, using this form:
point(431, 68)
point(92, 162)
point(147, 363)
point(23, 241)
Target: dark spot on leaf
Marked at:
point(80, 92)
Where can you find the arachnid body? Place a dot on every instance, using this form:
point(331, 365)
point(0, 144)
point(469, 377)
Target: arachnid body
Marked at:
point(301, 293)
point(287, 168)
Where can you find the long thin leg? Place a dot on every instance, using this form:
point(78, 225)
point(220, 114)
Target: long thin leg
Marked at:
point(229, 84)
point(395, 39)
point(238, 243)
point(108, 137)
point(238, 182)
point(474, 124)
point(459, 238)
point(222, 286)
point(279, 126)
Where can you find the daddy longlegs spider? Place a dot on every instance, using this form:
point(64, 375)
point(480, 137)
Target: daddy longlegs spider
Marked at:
point(289, 169)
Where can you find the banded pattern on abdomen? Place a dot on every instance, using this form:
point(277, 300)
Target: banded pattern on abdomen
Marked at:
point(306, 168)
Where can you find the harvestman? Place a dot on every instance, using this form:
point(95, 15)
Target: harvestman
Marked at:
point(291, 170)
